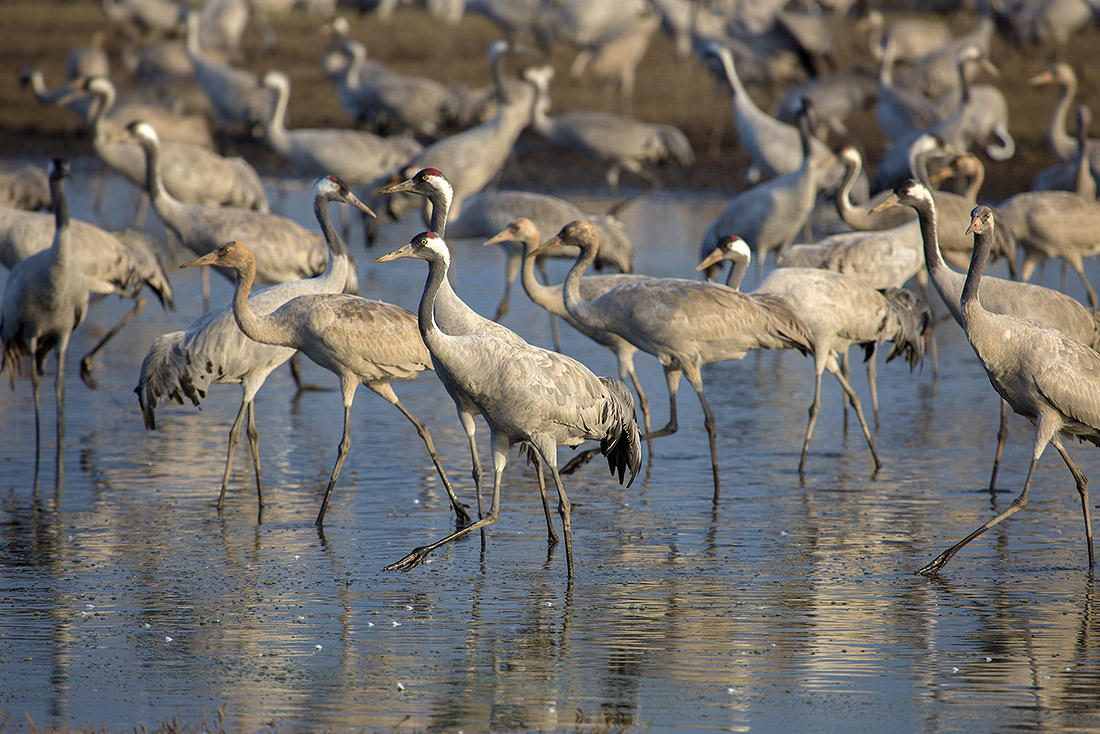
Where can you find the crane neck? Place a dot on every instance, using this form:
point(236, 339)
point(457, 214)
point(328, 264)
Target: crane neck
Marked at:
point(425, 314)
point(1059, 140)
point(738, 267)
point(154, 181)
point(853, 216)
point(257, 328)
point(275, 127)
point(62, 240)
point(104, 101)
point(733, 79)
point(926, 216)
point(549, 297)
point(970, 304)
point(440, 201)
point(191, 40)
point(577, 307)
point(337, 248)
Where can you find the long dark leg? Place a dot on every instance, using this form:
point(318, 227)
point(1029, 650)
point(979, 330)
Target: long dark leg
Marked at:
point(86, 362)
point(1002, 437)
point(672, 376)
point(469, 427)
point(36, 381)
point(696, 381)
point(511, 268)
point(461, 516)
point(815, 409)
point(872, 380)
point(853, 398)
point(1043, 433)
point(341, 454)
point(564, 512)
point(254, 448)
point(419, 555)
point(1082, 488)
point(59, 389)
point(552, 536)
point(1085, 282)
point(234, 435)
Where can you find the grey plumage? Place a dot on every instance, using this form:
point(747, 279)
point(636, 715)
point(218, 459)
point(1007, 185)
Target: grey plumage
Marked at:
point(45, 300)
point(285, 250)
point(526, 394)
point(549, 297)
point(1015, 298)
point(1050, 378)
point(618, 141)
point(357, 156)
point(683, 323)
point(184, 364)
point(359, 340)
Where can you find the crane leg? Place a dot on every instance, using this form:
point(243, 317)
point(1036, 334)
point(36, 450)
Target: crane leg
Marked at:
point(341, 454)
point(468, 426)
point(1079, 267)
point(419, 555)
point(853, 397)
point(1044, 431)
point(672, 376)
point(846, 370)
point(815, 408)
point(86, 361)
point(511, 269)
point(696, 381)
point(564, 512)
point(59, 389)
point(234, 435)
point(254, 449)
point(1002, 437)
point(872, 380)
point(1082, 488)
point(461, 516)
point(552, 536)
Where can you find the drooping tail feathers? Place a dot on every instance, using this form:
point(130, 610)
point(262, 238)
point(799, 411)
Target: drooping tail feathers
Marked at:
point(913, 317)
point(623, 443)
point(787, 325)
point(165, 374)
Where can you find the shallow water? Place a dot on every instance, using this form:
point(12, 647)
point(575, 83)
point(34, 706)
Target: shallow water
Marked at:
point(779, 605)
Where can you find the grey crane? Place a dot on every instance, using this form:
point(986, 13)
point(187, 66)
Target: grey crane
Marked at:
point(359, 340)
point(901, 111)
point(150, 17)
point(981, 114)
point(213, 349)
point(192, 173)
point(357, 156)
point(488, 212)
point(549, 297)
point(620, 142)
point(935, 73)
point(1053, 224)
point(234, 92)
point(1025, 300)
point(451, 313)
point(1060, 141)
point(88, 60)
point(1050, 378)
point(683, 323)
point(840, 311)
point(773, 145)
point(45, 300)
point(912, 37)
point(771, 214)
point(835, 97)
point(474, 157)
point(348, 66)
point(66, 95)
point(526, 394)
point(397, 103)
point(289, 250)
point(120, 264)
point(614, 54)
point(859, 216)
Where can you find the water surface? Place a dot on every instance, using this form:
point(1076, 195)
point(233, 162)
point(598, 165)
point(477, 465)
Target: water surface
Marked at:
point(782, 604)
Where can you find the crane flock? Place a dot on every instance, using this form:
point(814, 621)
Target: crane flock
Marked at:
point(1038, 346)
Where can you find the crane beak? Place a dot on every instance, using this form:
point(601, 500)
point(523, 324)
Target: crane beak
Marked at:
point(210, 258)
point(713, 258)
point(397, 254)
point(546, 246)
point(358, 204)
point(1039, 79)
point(505, 235)
point(408, 185)
point(989, 66)
point(826, 162)
point(975, 226)
point(887, 203)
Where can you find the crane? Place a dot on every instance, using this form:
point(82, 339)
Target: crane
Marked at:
point(840, 311)
point(45, 300)
point(683, 323)
point(1050, 378)
point(289, 250)
point(526, 394)
point(1012, 297)
point(212, 349)
point(359, 340)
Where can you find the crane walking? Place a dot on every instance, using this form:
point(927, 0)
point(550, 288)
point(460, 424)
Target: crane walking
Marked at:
point(525, 393)
point(1051, 379)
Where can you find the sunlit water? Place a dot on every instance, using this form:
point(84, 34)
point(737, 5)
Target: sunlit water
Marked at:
point(779, 605)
